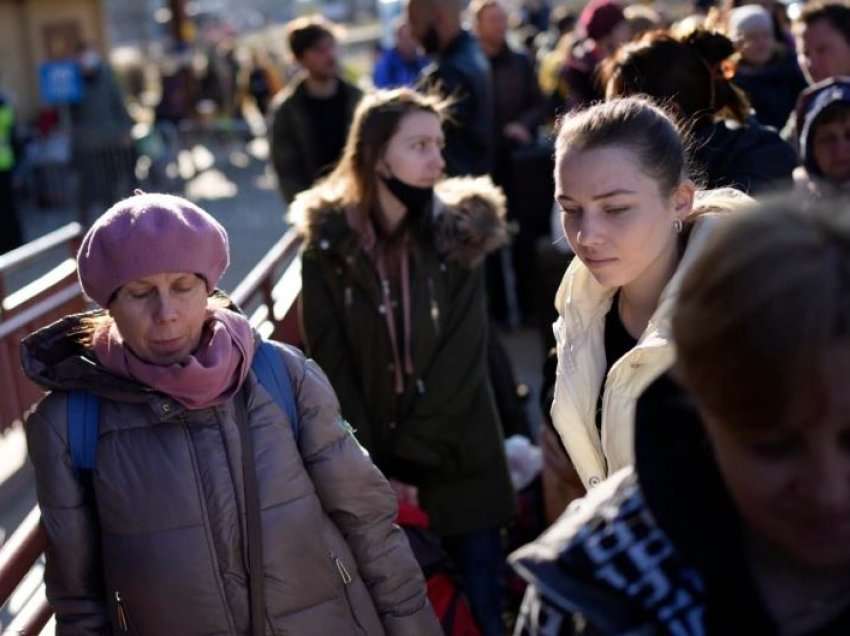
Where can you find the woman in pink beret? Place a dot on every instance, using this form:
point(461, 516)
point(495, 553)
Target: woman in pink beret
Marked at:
point(193, 478)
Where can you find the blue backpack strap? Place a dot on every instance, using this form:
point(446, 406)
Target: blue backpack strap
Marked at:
point(272, 373)
point(83, 423)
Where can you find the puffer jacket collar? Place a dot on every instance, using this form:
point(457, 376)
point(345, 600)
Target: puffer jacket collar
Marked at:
point(582, 304)
point(54, 358)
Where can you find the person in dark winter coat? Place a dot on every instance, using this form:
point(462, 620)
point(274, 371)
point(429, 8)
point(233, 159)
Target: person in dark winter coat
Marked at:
point(730, 147)
point(459, 71)
point(736, 519)
point(824, 125)
point(158, 536)
point(519, 111)
point(101, 142)
point(766, 70)
point(394, 310)
point(310, 117)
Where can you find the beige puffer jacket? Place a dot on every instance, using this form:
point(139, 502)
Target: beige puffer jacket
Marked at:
point(153, 543)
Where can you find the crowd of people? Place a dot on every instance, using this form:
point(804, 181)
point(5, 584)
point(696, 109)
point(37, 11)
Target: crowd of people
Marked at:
point(669, 194)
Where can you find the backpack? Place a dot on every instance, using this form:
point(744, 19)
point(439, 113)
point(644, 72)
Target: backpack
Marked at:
point(84, 407)
point(444, 592)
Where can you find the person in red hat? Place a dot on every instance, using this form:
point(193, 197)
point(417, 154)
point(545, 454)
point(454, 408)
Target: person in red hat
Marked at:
point(603, 28)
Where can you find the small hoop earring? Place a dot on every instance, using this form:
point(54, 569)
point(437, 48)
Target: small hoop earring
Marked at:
point(677, 226)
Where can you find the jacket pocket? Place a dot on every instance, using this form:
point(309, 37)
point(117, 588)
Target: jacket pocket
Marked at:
point(347, 580)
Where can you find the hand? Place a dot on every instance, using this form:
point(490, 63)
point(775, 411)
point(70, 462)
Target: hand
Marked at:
point(405, 493)
point(517, 132)
point(556, 460)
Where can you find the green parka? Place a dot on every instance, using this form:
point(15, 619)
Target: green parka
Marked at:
point(442, 433)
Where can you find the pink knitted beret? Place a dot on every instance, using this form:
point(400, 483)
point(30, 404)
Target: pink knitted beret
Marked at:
point(150, 234)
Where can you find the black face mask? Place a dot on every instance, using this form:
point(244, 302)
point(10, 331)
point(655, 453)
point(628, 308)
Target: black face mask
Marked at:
point(431, 41)
point(417, 200)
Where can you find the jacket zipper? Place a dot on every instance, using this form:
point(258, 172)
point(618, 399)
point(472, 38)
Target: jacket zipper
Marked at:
point(122, 613)
point(435, 308)
point(346, 581)
point(340, 567)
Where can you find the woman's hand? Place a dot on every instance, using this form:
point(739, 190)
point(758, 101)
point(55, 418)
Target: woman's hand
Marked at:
point(555, 458)
point(561, 483)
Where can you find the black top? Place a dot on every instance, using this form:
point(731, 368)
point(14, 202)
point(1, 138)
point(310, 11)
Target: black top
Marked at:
point(618, 342)
point(328, 120)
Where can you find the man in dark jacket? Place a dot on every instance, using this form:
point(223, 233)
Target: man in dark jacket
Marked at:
point(460, 70)
point(518, 113)
point(310, 119)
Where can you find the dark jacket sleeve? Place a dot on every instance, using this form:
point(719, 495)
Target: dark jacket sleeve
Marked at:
point(361, 503)
point(326, 343)
point(767, 167)
point(73, 572)
point(288, 166)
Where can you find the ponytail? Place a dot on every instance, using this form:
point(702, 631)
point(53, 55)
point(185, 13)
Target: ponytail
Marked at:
point(715, 48)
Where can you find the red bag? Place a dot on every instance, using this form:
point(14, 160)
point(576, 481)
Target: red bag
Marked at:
point(447, 599)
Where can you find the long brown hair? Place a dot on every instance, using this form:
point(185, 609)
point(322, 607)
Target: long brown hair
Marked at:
point(761, 310)
point(353, 183)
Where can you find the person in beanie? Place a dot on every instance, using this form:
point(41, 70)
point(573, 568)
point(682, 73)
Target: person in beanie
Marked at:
point(764, 68)
point(824, 142)
point(152, 539)
point(394, 309)
point(604, 27)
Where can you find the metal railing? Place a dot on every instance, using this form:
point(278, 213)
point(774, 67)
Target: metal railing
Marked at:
point(269, 296)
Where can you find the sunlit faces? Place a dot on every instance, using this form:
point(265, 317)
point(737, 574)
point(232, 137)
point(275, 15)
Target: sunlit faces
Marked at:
point(821, 50)
point(615, 216)
point(161, 317)
point(756, 45)
point(320, 60)
point(831, 146)
point(414, 154)
point(790, 480)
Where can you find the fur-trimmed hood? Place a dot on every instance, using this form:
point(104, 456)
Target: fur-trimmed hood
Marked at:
point(468, 219)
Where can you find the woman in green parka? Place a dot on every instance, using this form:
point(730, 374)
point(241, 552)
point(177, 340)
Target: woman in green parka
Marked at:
point(394, 311)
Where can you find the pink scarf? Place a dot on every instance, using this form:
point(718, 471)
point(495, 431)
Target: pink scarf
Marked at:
point(210, 376)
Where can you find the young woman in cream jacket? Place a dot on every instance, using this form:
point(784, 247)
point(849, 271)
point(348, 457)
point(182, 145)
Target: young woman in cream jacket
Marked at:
point(635, 221)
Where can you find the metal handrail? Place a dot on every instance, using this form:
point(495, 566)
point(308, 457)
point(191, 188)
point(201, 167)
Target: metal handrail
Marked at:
point(20, 552)
point(26, 253)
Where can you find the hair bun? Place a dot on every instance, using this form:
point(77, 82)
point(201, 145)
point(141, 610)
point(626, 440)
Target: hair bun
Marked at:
point(712, 46)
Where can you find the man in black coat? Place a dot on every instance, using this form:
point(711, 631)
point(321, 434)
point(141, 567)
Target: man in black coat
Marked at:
point(460, 70)
point(311, 117)
point(521, 168)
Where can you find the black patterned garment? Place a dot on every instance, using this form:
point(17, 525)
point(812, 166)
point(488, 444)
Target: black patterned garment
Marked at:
point(656, 549)
point(612, 571)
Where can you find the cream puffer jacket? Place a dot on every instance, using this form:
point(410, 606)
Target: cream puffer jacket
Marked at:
point(582, 305)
